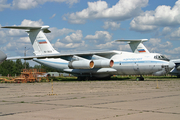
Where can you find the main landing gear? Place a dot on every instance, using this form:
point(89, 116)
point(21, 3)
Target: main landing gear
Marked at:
point(84, 78)
point(140, 78)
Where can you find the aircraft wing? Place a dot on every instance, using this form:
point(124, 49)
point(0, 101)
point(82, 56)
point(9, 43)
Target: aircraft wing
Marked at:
point(67, 57)
point(136, 45)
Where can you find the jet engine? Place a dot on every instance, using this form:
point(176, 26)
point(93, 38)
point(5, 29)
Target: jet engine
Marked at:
point(103, 63)
point(81, 64)
point(178, 67)
point(160, 73)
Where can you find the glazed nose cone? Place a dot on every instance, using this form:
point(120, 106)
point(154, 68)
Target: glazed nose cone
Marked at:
point(2, 56)
point(171, 65)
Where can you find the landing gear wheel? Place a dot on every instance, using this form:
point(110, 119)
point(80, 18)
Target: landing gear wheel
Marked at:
point(87, 78)
point(140, 79)
point(79, 78)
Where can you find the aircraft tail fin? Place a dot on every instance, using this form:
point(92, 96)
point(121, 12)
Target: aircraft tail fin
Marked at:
point(136, 45)
point(40, 43)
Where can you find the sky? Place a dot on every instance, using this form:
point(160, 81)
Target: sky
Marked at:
point(92, 25)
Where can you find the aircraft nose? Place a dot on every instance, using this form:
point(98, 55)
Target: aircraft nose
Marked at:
point(171, 65)
point(2, 56)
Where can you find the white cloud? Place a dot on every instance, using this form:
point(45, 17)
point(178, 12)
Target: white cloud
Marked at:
point(24, 40)
point(124, 9)
point(163, 16)
point(15, 33)
point(60, 45)
point(4, 5)
point(74, 37)
point(176, 34)
point(29, 4)
point(100, 37)
point(72, 41)
point(156, 45)
point(24, 4)
point(26, 22)
point(166, 30)
point(55, 32)
point(112, 25)
point(174, 51)
point(52, 16)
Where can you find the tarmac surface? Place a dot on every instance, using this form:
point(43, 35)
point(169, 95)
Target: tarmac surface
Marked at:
point(91, 100)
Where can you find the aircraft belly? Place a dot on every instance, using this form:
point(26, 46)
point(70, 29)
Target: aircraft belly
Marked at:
point(57, 64)
point(135, 68)
point(125, 69)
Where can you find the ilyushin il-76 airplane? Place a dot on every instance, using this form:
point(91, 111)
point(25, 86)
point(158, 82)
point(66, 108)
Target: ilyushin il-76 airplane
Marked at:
point(96, 64)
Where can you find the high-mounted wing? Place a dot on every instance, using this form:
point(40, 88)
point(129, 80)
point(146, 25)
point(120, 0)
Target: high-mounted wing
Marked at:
point(68, 57)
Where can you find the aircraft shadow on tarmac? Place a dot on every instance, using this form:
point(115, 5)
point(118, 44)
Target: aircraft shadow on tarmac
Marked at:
point(162, 78)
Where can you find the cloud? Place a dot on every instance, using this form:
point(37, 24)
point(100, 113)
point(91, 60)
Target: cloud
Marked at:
point(156, 45)
point(162, 16)
point(112, 25)
point(165, 31)
point(72, 41)
point(29, 4)
point(174, 51)
point(55, 32)
point(26, 22)
point(69, 46)
point(123, 10)
point(74, 37)
point(24, 40)
point(52, 16)
point(24, 4)
point(4, 5)
point(99, 37)
point(176, 34)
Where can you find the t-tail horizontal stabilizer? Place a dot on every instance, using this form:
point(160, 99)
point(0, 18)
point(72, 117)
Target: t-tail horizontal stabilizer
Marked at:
point(38, 39)
point(136, 45)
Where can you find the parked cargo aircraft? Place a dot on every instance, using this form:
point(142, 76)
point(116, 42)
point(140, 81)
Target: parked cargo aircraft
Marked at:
point(136, 45)
point(95, 64)
point(176, 70)
point(2, 56)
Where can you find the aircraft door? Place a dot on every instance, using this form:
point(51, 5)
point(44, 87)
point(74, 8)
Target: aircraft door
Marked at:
point(136, 68)
point(151, 67)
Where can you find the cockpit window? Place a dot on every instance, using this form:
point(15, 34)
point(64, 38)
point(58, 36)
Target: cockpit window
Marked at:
point(161, 57)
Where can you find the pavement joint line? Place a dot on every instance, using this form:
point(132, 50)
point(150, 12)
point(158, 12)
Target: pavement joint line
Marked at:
point(135, 99)
point(7, 114)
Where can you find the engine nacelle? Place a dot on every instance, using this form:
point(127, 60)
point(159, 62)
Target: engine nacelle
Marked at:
point(178, 67)
point(103, 63)
point(81, 64)
point(160, 73)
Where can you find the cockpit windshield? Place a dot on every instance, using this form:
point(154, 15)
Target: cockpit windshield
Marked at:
point(161, 57)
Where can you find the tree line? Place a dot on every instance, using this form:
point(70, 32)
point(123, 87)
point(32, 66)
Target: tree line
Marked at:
point(15, 67)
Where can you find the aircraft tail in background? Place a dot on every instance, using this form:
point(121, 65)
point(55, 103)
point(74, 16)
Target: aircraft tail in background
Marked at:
point(136, 45)
point(38, 39)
